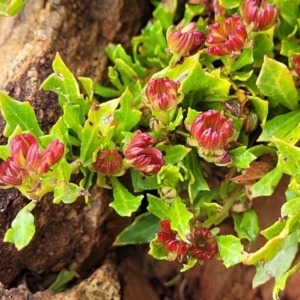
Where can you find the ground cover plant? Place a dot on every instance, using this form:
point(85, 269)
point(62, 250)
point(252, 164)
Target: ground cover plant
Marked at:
point(202, 115)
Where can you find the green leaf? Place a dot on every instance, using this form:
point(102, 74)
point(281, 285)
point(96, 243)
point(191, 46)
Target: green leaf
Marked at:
point(281, 281)
point(229, 4)
point(23, 228)
point(64, 84)
point(105, 92)
point(141, 183)
point(230, 250)
point(279, 264)
point(61, 281)
point(98, 125)
point(141, 231)
point(66, 192)
point(20, 114)
point(289, 49)
point(124, 202)
point(169, 175)
point(242, 157)
point(180, 217)
point(246, 58)
point(267, 252)
point(267, 184)
point(291, 207)
point(190, 264)
point(196, 182)
point(127, 115)
point(289, 10)
point(11, 8)
point(246, 225)
point(276, 81)
point(280, 126)
point(288, 158)
point(262, 44)
point(175, 153)
point(274, 229)
point(158, 251)
point(158, 207)
point(71, 116)
point(165, 12)
point(261, 108)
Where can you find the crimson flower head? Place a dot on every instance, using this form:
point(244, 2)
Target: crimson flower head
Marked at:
point(185, 41)
point(203, 245)
point(109, 162)
point(211, 132)
point(162, 93)
point(141, 156)
point(260, 13)
point(26, 158)
point(226, 39)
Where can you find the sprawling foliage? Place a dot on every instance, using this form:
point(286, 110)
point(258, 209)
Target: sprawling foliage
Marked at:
point(203, 116)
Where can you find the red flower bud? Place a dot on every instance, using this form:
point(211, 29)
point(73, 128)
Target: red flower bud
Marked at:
point(164, 237)
point(166, 226)
point(227, 38)
point(161, 93)
point(11, 174)
point(186, 41)
point(109, 162)
point(138, 153)
point(260, 13)
point(296, 62)
point(211, 130)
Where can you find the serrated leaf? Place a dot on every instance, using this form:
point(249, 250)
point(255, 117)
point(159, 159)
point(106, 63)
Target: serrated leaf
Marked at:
point(291, 207)
point(190, 264)
point(288, 158)
point(280, 126)
point(98, 126)
point(196, 182)
point(141, 183)
point(261, 108)
point(169, 175)
point(266, 252)
point(64, 84)
point(279, 264)
point(230, 250)
point(246, 58)
point(180, 217)
point(66, 192)
point(276, 81)
point(124, 202)
point(158, 207)
point(141, 231)
point(20, 114)
point(157, 251)
point(71, 118)
point(242, 157)
point(281, 281)
point(267, 184)
point(246, 225)
point(127, 115)
point(274, 229)
point(175, 153)
point(262, 44)
point(23, 228)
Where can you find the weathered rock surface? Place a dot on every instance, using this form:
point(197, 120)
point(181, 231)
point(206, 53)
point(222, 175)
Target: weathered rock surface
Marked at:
point(73, 236)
